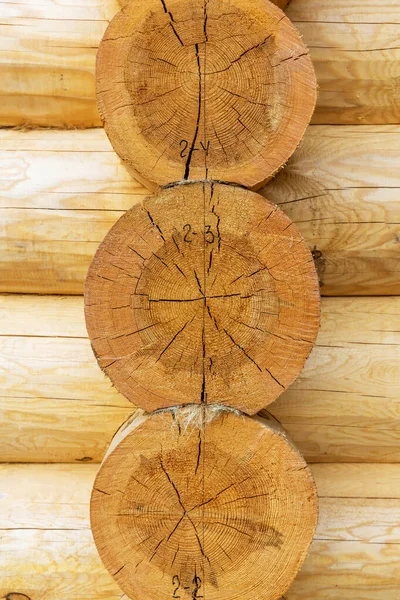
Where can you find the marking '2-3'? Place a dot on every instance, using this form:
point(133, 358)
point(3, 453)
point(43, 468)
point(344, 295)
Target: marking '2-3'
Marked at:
point(189, 233)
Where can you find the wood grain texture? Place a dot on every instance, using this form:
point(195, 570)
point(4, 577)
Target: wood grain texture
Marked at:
point(337, 11)
point(60, 192)
point(56, 405)
point(357, 68)
point(176, 92)
point(171, 504)
point(44, 183)
point(341, 190)
point(48, 57)
point(355, 51)
point(353, 47)
point(203, 293)
point(47, 549)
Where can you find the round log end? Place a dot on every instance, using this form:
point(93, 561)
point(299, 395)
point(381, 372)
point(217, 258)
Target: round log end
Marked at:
point(221, 512)
point(204, 293)
point(204, 89)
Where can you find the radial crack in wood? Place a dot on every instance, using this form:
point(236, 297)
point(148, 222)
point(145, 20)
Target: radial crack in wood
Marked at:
point(204, 293)
point(221, 512)
point(203, 89)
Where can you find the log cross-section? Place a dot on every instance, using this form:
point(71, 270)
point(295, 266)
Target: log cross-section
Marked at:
point(204, 89)
point(204, 293)
point(220, 512)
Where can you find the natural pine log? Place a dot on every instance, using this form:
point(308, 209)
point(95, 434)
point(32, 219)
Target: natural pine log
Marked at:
point(345, 211)
point(196, 91)
point(60, 192)
point(47, 550)
point(56, 405)
point(338, 11)
point(353, 47)
point(51, 178)
point(203, 293)
point(53, 565)
point(49, 52)
point(357, 66)
point(180, 507)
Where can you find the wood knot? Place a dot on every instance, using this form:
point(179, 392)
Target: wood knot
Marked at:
point(320, 263)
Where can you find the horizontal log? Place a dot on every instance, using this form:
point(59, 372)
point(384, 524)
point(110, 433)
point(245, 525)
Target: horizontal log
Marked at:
point(61, 191)
point(338, 11)
point(341, 190)
point(356, 64)
point(355, 51)
point(48, 60)
point(47, 549)
point(57, 406)
point(353, 47)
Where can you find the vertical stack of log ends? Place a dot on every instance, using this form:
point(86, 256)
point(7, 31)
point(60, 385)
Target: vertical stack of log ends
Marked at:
point(202, 302)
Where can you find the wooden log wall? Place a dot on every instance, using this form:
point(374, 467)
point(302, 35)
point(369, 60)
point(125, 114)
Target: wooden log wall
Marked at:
point(47, 550)
point(353, 44)
point(56, 405)
point(61, 191)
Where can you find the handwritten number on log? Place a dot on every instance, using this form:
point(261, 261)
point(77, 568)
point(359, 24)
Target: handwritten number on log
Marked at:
point(205, 148)
point(184, 144)
point(188, 229)
point(208, 234)
point(177, 583)
point(197, 585)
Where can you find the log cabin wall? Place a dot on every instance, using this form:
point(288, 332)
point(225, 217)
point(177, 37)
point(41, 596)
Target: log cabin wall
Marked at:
point(61, 189)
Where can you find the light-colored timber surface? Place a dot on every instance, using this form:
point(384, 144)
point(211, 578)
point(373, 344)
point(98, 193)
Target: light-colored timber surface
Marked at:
point(47, 549)
point(61, 191)
point(353, 46)
point(356, 11)
point(56, 405)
